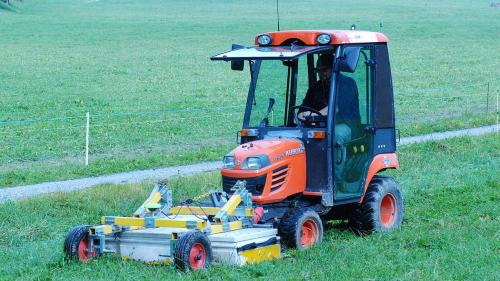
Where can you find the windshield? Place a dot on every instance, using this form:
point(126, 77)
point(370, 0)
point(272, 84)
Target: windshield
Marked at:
point(276, 83)
point(270, 85)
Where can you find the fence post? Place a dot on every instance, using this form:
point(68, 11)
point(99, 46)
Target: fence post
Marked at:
point(87, 132)
point(487, 97)
point(497, 111)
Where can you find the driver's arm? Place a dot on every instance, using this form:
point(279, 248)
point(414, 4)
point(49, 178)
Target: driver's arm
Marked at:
point(302, 115)
point(324, 111)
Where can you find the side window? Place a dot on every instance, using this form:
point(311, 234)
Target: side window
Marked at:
point(362, 76)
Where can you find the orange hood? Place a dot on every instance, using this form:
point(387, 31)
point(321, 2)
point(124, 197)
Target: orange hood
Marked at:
point(276, 149)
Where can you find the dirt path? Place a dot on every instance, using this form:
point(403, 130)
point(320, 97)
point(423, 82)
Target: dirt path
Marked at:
point(21, 192)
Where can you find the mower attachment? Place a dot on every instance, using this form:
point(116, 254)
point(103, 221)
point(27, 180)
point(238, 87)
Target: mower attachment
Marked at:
point(190, 236)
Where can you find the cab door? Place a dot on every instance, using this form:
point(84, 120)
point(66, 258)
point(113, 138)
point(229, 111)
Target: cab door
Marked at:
point(353, 139)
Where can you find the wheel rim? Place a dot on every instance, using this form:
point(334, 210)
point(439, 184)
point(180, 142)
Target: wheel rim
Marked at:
point(388, 210)
point(83, 254)
point(309, 233)
point(197, 256)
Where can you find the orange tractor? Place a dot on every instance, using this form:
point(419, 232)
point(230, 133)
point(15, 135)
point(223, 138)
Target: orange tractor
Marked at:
point(325, 164)
point(318, 128)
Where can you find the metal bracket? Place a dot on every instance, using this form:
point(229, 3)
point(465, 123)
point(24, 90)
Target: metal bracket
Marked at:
point(149, 222)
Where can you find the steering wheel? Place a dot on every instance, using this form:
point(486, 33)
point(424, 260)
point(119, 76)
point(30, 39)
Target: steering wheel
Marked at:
point(308, 108)
point(296, 115)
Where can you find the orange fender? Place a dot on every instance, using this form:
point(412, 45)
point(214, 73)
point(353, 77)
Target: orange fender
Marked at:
point(379, 163)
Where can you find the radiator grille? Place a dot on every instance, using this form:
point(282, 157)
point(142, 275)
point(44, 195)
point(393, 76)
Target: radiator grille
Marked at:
point(279, 177)
point(253, 185)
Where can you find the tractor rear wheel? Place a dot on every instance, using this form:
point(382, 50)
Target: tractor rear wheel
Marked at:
point(76, 244)
point(382, 208)
point(192, 251)
point(301, 228)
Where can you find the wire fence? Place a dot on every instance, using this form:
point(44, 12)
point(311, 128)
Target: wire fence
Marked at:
point(129, 134)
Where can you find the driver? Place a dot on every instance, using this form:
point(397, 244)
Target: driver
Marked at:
point(347, 111)
point(317, 95)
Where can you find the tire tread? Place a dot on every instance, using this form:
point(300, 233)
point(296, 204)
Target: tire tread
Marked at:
point(183, 248)
point(289, 225)
point(364, 219)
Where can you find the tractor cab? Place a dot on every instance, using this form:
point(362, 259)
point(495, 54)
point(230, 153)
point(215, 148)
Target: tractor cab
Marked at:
point(306, 134)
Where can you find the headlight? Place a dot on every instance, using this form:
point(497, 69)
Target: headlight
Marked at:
point(252, 163)
point(255, 162)
point(264, 39)
point(228, 162)
point(324, 38)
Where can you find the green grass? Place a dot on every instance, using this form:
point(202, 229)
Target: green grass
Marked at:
point(450, 229)
point(132, 64)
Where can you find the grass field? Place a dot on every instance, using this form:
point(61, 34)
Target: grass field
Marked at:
point(450, 229)
point(142, 69)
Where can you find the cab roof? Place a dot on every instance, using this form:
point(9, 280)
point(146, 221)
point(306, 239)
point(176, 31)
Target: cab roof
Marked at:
point(308, 37)
point(270, 52)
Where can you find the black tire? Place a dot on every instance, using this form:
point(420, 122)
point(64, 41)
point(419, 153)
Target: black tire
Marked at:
point(382, 208)
point(75, 244)
point(292, 224)
point(189, 244)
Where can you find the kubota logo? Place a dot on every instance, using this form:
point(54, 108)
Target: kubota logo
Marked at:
point(294, 151)
point(289, 152)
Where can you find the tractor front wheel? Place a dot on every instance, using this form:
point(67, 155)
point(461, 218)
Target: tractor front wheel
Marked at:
point(76, 244)
point(382, 208)
point(192, 251)
point(301, 228)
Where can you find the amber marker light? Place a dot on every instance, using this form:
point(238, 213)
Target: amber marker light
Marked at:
point(316, 134)
point(249, 132)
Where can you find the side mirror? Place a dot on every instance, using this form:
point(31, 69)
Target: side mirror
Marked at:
point(349, 59)
point(238, 65)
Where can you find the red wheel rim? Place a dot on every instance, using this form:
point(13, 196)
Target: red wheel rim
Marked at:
point(309, 233)
point(388, 210)
point(197, 256)
point(83, 255)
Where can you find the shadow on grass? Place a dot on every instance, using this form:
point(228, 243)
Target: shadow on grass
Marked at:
point(341, 226)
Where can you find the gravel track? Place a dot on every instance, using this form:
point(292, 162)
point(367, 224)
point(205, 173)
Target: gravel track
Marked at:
point(22, 192)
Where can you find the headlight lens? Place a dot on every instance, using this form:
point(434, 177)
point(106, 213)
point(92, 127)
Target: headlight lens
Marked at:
point(264, 39)
point(252, 163)
point(228, 162)
point(324, 38)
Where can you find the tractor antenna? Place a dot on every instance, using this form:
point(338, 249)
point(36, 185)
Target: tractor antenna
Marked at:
point(278, 13)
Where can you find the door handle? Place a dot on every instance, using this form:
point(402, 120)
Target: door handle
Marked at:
point(340, 146)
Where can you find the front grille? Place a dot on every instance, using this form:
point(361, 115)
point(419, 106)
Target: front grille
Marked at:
point(279, 177)
point(253, 185)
